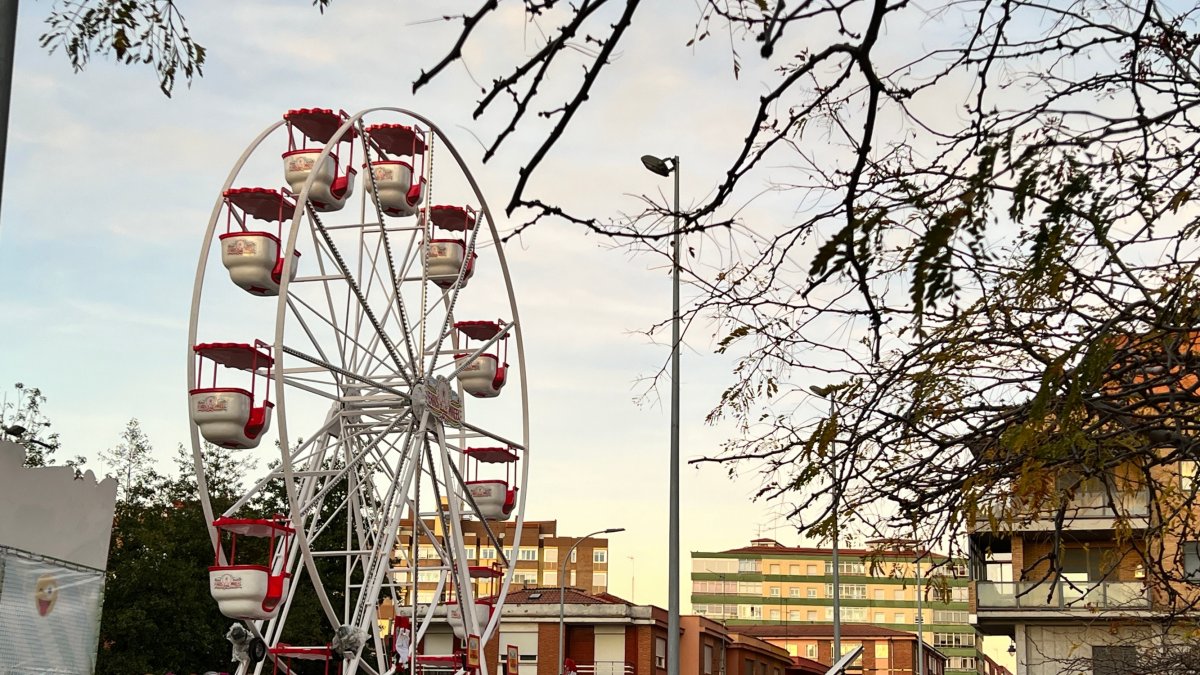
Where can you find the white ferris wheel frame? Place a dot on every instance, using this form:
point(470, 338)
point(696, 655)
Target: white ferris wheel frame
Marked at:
point(301, 546)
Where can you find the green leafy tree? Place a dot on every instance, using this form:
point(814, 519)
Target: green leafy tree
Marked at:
point(130, 460)
point(158, 575)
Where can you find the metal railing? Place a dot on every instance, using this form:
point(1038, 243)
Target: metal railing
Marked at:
point(1062, 595)
point(604, 668)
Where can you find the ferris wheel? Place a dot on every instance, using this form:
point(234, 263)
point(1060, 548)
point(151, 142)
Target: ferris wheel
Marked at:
point(362, 336)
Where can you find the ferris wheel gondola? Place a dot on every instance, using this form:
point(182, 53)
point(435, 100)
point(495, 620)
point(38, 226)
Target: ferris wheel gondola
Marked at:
point(382, 457)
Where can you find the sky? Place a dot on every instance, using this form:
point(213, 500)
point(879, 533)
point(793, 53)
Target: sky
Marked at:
point(109, 185)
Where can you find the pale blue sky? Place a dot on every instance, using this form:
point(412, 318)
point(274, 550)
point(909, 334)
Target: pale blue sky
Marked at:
point(109, 185)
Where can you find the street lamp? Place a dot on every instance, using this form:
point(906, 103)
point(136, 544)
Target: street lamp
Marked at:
point(562, 576)
point(897, 542)
point(662, 168)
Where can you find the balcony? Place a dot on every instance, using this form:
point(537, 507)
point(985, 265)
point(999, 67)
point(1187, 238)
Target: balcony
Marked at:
point(1061, 596)
point(1086, 511)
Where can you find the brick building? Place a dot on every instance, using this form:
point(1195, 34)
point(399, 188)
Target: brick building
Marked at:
point(885, 651)
point(539, 558)
point(607, 635)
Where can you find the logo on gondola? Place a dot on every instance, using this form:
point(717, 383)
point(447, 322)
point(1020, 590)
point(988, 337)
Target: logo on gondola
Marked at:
point(212, 404)
point(227, 582)
point(481, 491)
point(300, 163)
point(383, 173)
point(241, 247)
point(443, 401)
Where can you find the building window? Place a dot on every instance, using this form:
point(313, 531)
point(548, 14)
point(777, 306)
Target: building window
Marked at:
point(748, 667)
point(899, 618)
point(793, 615)
point(551, 577)
point(812, 570)
point(959, 594)
point(660, 652)
point(574, 553)
point(774, 591)
point(949, 616)
point(1187, 475)
point(794, 570)
point(600, 580)
point(880, 617)
point(750, 565)
point(600, 555)
point(749, 611)
point(881, 651)
point(708, 659)
point(527, 578)
point(572, 578)
point(812, 593)
point(774, 569)
point(953, 639)
point(812, 615)
point(527, 554)
point(849, 591)
point(961, 662)
point(849, 614)
point(879, 593)
point(846, 567)
point(487, 553)
point(898, 594)
point(1114, 660)
point(793, 592)
point(774, 615)
point(959, 569)
point(749, 588)
point(1190, 551)
point(550, 555)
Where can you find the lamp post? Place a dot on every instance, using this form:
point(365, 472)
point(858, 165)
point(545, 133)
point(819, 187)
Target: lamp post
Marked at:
point(562, 575)
point(662, 168)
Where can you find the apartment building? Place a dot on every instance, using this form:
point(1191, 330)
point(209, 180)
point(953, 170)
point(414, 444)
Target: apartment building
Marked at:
point(768, 583)
point(1093, 567)
point(1092, 613)
point(542, 553)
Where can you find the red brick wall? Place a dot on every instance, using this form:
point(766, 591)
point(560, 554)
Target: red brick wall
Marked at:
point(548, 661)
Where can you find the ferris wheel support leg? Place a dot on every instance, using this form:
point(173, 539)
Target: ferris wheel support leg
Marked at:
point(466, 595)
point(379, 562)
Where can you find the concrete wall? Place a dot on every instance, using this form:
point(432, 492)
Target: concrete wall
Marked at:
point(1067, 650)
point(47, 512)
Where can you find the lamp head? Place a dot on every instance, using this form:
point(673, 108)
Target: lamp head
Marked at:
point(613, 530)
point(657, 165)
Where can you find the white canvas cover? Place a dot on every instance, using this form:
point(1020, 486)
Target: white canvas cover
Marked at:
point(49, 615)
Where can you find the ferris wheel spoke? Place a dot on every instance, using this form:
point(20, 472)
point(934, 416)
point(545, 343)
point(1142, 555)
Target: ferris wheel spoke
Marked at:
point(364, 306)
point(339, 332)
point(333, 480)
